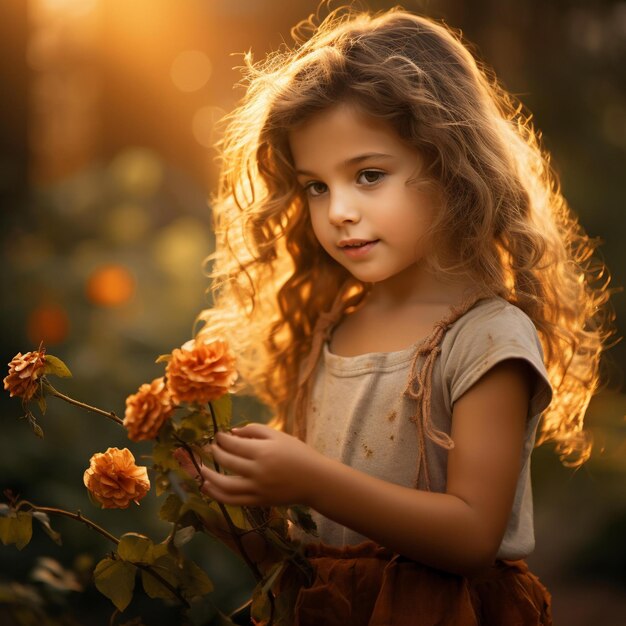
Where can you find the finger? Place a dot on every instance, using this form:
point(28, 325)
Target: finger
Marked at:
point(233, 500)
point(254, 431)
point(232, 462)
point(226, 484)
point(239, 446)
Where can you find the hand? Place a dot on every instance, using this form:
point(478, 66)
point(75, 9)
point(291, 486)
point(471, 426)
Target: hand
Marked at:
point(267, 467)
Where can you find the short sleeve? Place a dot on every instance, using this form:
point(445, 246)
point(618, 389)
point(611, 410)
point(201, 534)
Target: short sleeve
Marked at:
point(491, 332)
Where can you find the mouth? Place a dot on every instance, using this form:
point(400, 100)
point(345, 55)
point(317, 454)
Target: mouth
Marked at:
point(356, 248)
point(356, 243)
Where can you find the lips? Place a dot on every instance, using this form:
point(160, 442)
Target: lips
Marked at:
point(355, 243)
point(355, 248)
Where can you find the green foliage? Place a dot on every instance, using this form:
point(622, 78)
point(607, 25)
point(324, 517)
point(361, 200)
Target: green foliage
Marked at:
point(44, 520)
point(165, 567)
point(16, 527)
point(301, 517)
point(55, 367)
point(262, 601)
point(116, 580)
point(136, 548)
point(165, 572)
point(223, 411)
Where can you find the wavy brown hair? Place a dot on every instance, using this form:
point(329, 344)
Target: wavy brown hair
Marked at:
point(502, 209)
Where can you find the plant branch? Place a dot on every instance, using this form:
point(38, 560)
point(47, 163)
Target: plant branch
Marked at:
point(79, 517)
point(110, 414)
point(234, 531)
point(167, 585)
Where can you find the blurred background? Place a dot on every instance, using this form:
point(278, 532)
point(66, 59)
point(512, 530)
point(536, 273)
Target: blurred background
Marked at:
point(108, 117)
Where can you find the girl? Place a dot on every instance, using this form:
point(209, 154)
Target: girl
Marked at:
point(405, 286)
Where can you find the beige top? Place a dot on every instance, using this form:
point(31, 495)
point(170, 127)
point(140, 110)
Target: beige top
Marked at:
point(359, 413)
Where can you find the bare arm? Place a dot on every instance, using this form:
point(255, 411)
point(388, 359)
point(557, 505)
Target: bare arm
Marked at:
point(458, 531)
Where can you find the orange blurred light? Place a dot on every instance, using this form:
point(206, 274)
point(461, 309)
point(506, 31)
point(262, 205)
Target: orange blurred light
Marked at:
point(110, 285)
point(191, 70)
point(48, 323)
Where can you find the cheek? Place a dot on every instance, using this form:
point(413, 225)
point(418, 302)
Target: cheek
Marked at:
point(317, 224)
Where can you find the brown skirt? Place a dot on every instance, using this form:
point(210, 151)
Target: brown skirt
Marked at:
point(367, 585)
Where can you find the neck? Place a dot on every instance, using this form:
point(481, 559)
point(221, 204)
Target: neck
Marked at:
point(423, 288)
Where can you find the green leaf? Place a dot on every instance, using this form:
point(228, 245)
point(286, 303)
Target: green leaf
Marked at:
point(237, 515)
point(41, 403)
point(223, 620)
point(301, 517)
point(115, 580)
point(44, 520)
point(16, 529)
point(194, 581)
point(166, 567)
point(223, 410)
point(162, 455)
point(56, 367)
point(194, 427)
point(184, 535)
point(170, 509)
point(197, 505)
point(136, 548)
point(261, 608)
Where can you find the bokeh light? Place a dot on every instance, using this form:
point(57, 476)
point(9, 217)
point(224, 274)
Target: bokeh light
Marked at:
point(191, 70)
point(180, 248)
point(127, 223)
point(110, 285)
point(49, 323)
point(137, 172)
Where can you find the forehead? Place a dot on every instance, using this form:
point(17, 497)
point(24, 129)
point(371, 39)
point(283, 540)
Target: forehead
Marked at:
point(340, 133)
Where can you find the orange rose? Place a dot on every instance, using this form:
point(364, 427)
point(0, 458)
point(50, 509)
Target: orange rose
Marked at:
point(114, 480)
point(24, 372)
point(147, 409)
point(200, 371)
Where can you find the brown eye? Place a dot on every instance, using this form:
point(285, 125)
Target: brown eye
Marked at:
point(370, 177)
point(315, 188)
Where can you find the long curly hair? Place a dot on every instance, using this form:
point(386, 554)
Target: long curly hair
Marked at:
point(502, 209)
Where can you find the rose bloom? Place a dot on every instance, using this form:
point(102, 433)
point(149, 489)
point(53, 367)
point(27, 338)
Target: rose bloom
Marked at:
point(114, 480)
point(24, 373)
point(200, 371)
point(147, 409)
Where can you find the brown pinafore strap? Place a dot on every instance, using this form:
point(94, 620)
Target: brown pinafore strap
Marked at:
point(321, 333)
point(419, 388)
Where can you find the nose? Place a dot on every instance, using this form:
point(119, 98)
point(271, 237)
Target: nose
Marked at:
point(342, 209)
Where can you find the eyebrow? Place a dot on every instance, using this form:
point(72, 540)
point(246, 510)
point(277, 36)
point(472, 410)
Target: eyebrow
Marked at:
point(355, 160)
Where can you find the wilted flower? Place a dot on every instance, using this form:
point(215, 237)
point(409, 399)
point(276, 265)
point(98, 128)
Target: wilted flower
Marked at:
point(24, 372)
point(147, 409)
point(200, 371)
point(114, 480)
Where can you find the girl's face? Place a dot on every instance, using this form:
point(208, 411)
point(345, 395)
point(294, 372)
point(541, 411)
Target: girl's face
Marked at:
point(361, 181)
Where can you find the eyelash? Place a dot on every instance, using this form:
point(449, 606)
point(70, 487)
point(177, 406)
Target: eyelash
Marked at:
point(308, 187)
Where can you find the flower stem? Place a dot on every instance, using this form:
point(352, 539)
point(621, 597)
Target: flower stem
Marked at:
point(110, 414)
point(233, 529)
point(236, 536)
point(79, 517)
